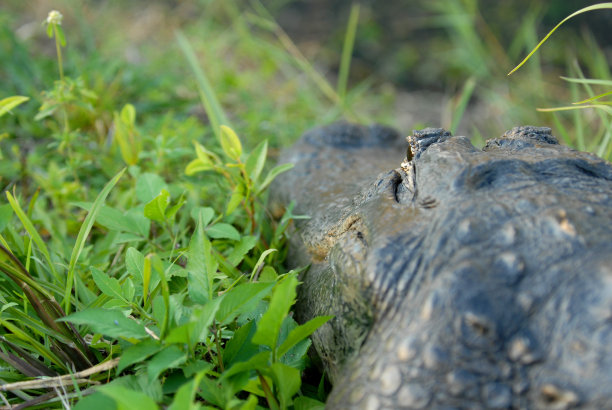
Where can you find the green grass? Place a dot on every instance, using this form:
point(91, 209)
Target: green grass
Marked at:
point(139, 262)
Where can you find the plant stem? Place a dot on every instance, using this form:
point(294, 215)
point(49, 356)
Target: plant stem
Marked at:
point(59, 53)
point(219, 352)
point(267, 392)
point(58, 49)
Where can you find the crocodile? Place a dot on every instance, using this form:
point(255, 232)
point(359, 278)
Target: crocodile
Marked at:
point(458, 277)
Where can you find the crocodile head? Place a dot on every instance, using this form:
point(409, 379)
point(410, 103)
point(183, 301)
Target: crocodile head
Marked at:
point(457, 276)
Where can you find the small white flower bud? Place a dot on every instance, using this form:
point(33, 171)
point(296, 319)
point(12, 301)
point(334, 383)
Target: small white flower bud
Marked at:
point(55, 17)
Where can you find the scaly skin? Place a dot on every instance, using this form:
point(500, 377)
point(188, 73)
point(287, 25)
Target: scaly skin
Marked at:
point(459, 278)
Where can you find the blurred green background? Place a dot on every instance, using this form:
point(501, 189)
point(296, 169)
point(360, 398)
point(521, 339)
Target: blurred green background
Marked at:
point(411, 60)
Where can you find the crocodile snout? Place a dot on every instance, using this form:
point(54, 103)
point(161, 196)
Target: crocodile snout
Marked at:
point(467, 278)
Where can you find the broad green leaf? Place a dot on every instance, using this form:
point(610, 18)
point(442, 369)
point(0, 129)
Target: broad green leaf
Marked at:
point(184, 396)
point(268, 274)
point(109, 286)
point(256, 161)
point(170, 357)
point(212, 392)
point(134, 262)
point(60, 35)
point(230, 142)
point(126, 237)
point(201, 266)
point(197, 286)
point(274, 172)
point(196, 367)
point(235, 199)
point(137, 353)
point(44, 113)
point(170, 213)
point(223, 231)
point(180, 334)
point(126, 137)
point(111, 218)
point(239, 348)
point(250, 403)
point(110, 323)
point(148, 186)
point(307, 403)
point(254, 386)
point(96, 401)
point(205, 213)
point(128, 290)
point(156, 208)
point(301, 332)
point(287, 381)
point(245, 244)
point(196, 166)
point(240, 299)
point(138, 221)
point(117, 304)
point(600, 6)
point(128, 114)
point(259, 361)
point(206, 156)
point(226, 268)
point(234, 385)
point(126, 398)
point(295, 357)
point(203, 317)
point(82, 237)
point(7, 104)
point(269, 325)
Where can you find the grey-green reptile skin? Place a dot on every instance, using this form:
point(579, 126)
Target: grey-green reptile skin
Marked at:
point(458, 277)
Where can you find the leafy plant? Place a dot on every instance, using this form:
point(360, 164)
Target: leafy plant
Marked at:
point(145, 284)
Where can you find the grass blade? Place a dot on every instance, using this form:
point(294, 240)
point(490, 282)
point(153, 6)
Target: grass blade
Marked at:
point(29, 227)
point(597, 97)
point(605, 142)
point(583, 10)
point(464, 99)
point(32, 344)
point(603, 107)
point(207, 95)
point(301, 61)
point(593, 81)
point(82, 236)
point(47, 309)
point(347, 52)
